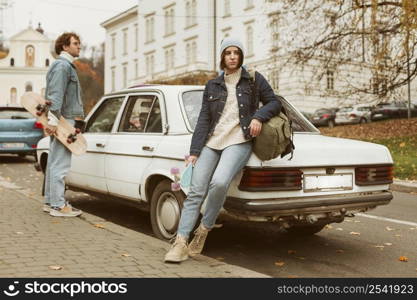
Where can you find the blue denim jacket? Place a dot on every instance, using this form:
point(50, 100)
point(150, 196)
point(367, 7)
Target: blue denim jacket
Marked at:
point(214, 99)
point(63, 90)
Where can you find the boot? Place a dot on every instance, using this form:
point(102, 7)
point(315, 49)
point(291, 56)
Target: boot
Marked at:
point(178, 251)
point(197, 244)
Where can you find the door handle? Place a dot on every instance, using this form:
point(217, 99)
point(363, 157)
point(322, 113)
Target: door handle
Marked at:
point(147, 148)
point(100, 145)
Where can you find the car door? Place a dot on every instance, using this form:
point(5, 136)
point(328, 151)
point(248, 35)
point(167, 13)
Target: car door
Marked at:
point(132, 146)
point(87, 171)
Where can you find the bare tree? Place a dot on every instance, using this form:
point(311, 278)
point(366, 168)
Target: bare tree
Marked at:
point(378, 34)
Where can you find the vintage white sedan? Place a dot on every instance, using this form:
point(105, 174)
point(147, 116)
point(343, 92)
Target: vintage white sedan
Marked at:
point(135, 136)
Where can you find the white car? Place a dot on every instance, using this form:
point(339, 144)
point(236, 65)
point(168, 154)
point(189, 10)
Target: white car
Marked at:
point(354, 114)
point(137, 135)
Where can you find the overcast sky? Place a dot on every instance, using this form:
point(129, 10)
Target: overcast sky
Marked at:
point(57, 16)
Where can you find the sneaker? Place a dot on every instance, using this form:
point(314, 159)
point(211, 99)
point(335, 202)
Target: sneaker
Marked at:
point(197, 244)
point(178, 251)
point(46, 208)
point(65, 211)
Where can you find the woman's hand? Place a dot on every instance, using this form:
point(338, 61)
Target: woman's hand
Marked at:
point(255, 127)
point(191, 159)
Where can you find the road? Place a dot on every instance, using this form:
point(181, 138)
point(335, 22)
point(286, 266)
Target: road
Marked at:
point(369, 245)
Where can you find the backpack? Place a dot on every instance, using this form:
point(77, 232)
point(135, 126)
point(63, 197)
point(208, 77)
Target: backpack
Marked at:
point(276, 137)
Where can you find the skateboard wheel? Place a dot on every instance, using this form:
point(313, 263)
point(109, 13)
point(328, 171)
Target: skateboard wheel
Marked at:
point(69, 140)
point(77, 130)
point(39, 113)
point(48, 102)
point(175, 186)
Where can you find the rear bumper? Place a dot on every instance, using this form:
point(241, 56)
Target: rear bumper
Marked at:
point(268, 207)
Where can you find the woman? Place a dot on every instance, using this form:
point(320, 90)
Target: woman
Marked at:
point(221, 144)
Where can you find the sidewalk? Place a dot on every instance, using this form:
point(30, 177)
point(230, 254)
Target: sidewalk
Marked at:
point(32, 244)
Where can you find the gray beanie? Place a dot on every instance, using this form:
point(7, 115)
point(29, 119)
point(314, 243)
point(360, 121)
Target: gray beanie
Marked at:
point(227, 42)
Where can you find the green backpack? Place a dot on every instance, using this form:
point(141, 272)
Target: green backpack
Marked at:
point(276, 137)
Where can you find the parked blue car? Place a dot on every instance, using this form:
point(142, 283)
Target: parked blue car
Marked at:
point(19, 131)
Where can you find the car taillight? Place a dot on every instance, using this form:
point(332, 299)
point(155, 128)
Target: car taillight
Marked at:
point(34, 146)
point(38, 125)
point(373, 175)
point(257, 179)
point(325, 116)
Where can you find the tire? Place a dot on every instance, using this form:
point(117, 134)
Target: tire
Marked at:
point(330, 124)
point(362, 121)
point(166, 208)
point(305, 230)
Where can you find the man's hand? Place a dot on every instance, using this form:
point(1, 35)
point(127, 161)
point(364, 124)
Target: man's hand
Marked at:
point(191, 159)
point(255, 127)
point(50, 130)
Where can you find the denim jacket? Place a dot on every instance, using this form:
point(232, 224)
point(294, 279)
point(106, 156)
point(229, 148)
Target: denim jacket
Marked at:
point(63, 90)
point(214, 99)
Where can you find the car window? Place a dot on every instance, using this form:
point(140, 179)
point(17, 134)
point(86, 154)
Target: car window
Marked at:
point(345, 109)
point(15, 114)
point(103, 118)
point(322, 111)
point(142, 114)
point(192, 103)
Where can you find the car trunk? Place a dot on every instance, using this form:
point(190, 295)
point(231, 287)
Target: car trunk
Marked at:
point(16, 125)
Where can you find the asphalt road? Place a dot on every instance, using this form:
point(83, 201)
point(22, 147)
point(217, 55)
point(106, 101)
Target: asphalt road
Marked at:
point(369, 245)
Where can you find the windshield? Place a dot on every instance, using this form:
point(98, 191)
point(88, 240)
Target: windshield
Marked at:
point(345, 109)
point(192, 104)
point(15, 114)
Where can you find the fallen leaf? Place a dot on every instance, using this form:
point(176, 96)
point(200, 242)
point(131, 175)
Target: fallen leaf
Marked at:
point(355, 233)
point(388, 244)
point(356, 221)
point(328, 226)
point(340, 251)
point(403, 259)
point(398, 235)
point(279, 263)
point(402, 144)
point(292, 251)
point(19, 232)
point(220, 258)
point(300, 257)
point(99, 226)
point(340, 229)
point(389, 228)
point(348, 220)
point(412, 228)
point(292, 276)
point(380, 247)
point(126, 255)
point(55, 222)
point(56, 268)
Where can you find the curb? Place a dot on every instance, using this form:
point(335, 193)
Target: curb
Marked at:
point(404, 186)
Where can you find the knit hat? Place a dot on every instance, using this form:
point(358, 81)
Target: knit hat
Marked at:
point(227, 42)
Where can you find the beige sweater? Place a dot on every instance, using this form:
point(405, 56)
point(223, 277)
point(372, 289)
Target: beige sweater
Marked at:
point(228, 131)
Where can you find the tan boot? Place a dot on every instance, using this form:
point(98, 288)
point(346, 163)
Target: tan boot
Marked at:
point(178, 251)
point(197, 244)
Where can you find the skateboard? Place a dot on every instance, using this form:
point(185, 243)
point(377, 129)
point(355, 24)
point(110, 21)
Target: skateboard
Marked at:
point(181, 179)
point(68, 135)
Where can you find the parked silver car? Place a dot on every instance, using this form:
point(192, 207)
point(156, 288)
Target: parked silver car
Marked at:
point(354, 114)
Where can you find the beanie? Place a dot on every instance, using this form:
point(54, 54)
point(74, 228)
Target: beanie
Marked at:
point(228, 42)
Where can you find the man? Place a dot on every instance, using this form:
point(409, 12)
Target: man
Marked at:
point(64, 91)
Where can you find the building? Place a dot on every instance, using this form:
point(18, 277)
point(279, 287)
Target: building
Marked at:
point(25, 67)
point(177, 38)
point(121, 50)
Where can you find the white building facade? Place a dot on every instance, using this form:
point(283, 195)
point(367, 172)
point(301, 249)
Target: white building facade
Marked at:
point(25, 67)
point(121, 50)
point(178, 38)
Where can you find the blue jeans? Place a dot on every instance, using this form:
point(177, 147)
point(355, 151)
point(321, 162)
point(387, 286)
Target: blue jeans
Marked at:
point(57, 167)
point(212, 175)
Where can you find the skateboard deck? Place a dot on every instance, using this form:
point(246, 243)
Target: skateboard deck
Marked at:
point(65, 133)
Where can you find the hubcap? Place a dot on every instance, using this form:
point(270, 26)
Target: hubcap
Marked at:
point(168, 214)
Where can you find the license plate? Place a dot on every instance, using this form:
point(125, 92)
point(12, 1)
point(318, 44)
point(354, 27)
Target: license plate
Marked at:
point(12, 145)
point(327, 183)
point(378, 115)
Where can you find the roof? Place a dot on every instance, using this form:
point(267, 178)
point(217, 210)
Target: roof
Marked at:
point(120, 17)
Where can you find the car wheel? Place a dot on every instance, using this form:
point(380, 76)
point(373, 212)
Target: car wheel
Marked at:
point(166, 208)
point(362, 121)
point(330, 124)
point(305, 229)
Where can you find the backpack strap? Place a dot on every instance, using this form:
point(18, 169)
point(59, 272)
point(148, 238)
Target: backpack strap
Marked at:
point(252, 77)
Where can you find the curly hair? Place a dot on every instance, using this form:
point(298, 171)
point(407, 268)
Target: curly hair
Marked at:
point(64, 40)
